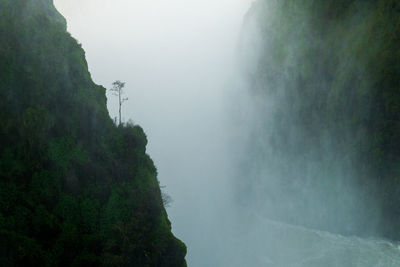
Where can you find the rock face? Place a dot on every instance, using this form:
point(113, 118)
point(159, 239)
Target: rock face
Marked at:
point(324, 80)
point(74, 188)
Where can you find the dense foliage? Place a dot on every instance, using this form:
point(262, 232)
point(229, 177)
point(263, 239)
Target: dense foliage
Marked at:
point(74, 188)
point(328, 74)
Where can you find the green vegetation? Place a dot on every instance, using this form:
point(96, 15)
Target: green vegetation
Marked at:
point(332, 68)
point(75, 189)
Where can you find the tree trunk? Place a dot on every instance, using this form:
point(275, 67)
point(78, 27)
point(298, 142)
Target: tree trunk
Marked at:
point(119, 96)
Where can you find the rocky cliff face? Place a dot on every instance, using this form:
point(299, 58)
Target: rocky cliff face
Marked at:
point(324, 80)
point(75, 189)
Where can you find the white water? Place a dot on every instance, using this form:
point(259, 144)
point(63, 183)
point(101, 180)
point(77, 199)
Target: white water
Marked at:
point(273, 244)
point(176, 57)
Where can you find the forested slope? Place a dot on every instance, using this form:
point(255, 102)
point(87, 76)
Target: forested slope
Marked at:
point(74, 188)
point(325, 82)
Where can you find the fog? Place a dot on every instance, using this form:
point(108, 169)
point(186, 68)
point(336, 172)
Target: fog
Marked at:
point(295, 169)
point(186, 88)
point(175, 57)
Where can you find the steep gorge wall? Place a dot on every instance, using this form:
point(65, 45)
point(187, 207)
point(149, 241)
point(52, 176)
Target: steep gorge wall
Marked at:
point(324, 77)
point(74, 188)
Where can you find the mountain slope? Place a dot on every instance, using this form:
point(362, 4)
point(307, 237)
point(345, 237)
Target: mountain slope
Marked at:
point(74, 188)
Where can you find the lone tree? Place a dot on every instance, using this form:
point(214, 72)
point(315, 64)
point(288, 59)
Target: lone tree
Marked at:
point(117, 90)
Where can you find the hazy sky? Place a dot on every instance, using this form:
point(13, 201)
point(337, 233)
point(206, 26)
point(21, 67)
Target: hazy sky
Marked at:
point(175, 57)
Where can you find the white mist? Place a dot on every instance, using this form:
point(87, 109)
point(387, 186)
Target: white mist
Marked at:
point(175, 57)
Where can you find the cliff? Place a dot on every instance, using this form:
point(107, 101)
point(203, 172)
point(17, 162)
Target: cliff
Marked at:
point(325, 81)
point(74, 188)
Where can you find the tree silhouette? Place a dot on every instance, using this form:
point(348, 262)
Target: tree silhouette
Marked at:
point(117, 90)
